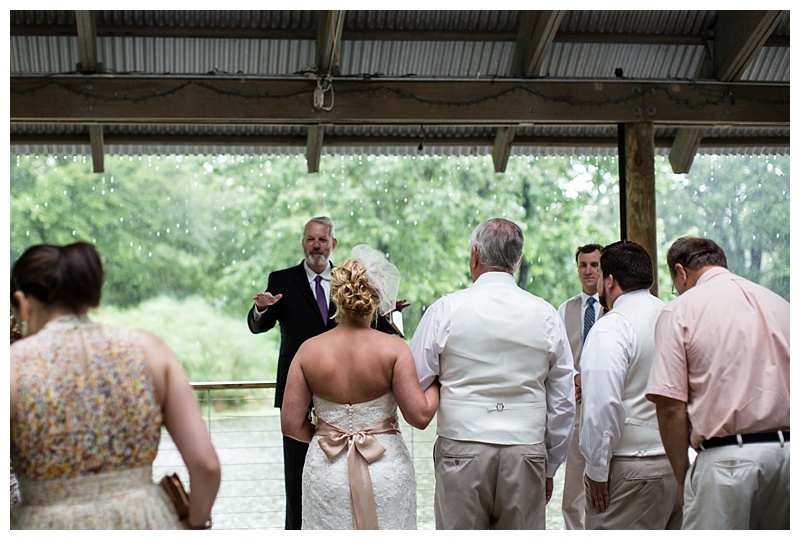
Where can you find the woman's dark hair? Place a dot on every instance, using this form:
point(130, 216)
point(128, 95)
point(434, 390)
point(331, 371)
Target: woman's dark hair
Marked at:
point(68, 276)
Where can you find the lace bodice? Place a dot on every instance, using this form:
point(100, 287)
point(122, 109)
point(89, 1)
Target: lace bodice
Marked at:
point(326, 486)
point(357, 416)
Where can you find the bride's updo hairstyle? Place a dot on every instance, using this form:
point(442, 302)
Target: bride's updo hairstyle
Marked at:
point(352, 291)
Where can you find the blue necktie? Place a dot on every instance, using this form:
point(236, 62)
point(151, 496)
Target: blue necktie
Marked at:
point(323, 305)
point(588, 317)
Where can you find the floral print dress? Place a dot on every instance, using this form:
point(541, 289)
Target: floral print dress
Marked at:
point(86, 431)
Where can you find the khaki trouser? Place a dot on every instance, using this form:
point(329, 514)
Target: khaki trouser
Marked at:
point(489, 486)
point(573, 494)
point(643, 494)
point(732, 487)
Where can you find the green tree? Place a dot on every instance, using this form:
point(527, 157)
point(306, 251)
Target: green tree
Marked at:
point(741, 203)
point(213, 227)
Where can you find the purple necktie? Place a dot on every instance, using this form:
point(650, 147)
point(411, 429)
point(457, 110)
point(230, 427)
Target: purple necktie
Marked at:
point(323, 305)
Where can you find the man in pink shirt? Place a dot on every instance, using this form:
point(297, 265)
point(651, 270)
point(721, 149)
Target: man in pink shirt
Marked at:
point(720, 382)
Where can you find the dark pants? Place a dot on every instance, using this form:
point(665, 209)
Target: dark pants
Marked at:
point(294, 457)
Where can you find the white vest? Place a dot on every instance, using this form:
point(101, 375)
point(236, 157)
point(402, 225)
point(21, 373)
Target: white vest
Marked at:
point(640, 431)
point(494, 366)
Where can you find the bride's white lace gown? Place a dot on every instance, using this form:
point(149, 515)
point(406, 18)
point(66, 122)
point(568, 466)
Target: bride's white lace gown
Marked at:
point(326, 485)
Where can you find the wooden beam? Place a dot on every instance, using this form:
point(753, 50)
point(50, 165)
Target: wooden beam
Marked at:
point(223, 140)
point(87, 46)
point(87, 40)
point(314, 147)
point(289, 101)
point(329, 34)
point(640, 191)
point(738, 37)
point(534, 39)
point(502, 148)
point(536, 32)
point(681, 155)
point(96, 142)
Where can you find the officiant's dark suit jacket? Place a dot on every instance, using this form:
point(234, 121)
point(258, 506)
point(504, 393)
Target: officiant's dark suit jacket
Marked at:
point(299, 318)
point(298, 315)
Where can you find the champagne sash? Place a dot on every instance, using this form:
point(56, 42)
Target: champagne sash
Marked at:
point(362, 449)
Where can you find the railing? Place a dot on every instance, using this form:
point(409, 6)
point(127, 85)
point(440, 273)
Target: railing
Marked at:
point(245, 429)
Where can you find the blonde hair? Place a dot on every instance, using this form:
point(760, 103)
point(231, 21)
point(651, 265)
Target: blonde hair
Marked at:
point(352, 291)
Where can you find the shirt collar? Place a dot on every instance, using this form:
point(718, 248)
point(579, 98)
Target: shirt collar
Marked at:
point(310, 274)
point(711, 273)
point(585, 297)
point(495, 277)
point(630, 297)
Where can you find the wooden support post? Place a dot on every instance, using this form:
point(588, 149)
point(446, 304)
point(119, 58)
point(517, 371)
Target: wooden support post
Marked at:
point(314, 147)
point(640, 190)
point(97, 144)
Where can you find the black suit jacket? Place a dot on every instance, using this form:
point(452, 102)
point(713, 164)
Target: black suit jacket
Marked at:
point(298, 315)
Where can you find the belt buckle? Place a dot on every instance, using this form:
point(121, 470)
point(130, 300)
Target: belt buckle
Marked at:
point(499, 407)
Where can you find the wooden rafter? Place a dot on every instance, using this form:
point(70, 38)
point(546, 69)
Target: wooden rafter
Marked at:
point(87, 41)
point(97, 144)
point(739, 35)
point(329, 32)
point(87, 45)
point(536, 33)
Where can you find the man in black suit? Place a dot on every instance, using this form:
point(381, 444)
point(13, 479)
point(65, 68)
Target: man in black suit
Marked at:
point(291, 300)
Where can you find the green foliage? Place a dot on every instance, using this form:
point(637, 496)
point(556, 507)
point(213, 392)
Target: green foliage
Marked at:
point(211, 346)
point(207, 230)
point(741, 203)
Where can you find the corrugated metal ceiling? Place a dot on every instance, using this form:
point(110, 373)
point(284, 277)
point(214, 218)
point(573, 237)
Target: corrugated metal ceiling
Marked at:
point(650, 45)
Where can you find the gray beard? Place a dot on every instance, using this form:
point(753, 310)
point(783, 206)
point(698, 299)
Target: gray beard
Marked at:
point(316, 259)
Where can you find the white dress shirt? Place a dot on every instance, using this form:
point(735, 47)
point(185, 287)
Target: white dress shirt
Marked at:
point(608, 352)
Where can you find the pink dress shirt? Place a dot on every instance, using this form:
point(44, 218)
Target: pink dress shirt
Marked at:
point(723, 348)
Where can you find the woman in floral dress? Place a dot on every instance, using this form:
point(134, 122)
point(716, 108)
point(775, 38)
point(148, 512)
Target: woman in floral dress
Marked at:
point(87, 405)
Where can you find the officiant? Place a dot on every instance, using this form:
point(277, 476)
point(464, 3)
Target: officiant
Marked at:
point(299, 299)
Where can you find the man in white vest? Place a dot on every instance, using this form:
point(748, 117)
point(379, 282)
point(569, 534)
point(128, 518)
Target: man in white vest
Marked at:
point(579, 314)
point(629, 480)
point(507, 402)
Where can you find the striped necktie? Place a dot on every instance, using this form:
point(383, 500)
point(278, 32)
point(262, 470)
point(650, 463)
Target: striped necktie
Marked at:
point(588, 316)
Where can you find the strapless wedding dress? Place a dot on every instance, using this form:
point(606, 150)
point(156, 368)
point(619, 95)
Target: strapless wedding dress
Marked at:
point(327, 502)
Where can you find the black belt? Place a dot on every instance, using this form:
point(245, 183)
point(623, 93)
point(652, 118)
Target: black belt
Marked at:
point(747, 438)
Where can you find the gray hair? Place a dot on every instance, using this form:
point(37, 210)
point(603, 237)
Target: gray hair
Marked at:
point(324, 220)
point(499, 243)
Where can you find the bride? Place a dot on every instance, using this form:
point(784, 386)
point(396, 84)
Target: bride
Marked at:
point(358, 472)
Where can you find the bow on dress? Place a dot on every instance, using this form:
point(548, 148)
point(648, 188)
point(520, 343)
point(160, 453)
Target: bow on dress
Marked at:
point(362, 449)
